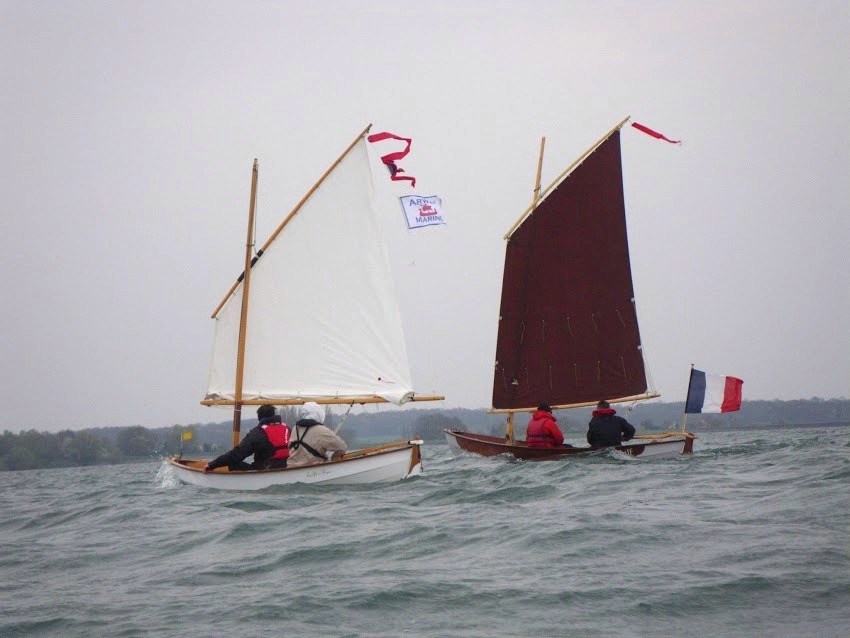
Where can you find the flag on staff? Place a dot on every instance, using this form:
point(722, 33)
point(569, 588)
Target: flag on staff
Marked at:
point(713, 393)
point(655, 134)
point(390, 159)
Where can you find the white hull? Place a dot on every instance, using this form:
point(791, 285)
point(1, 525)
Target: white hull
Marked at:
point(659, 449)
point(383, 465)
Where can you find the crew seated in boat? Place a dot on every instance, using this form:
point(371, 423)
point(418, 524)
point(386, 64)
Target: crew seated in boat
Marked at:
point(268, 442)
point(311, 441)
point(606, 428)
point(543, 430)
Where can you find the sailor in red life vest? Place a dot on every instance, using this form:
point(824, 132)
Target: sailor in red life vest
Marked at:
point(543, 429)
point(268, 442)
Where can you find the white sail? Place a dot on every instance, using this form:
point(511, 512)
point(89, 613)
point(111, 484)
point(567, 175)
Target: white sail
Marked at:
point(323, 318)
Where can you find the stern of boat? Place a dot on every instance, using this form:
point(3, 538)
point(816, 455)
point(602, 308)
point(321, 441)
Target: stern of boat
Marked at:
point(667, 445)
point(415, 468)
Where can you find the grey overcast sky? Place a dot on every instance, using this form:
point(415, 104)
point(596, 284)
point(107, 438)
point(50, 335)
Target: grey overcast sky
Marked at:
point(128, 130)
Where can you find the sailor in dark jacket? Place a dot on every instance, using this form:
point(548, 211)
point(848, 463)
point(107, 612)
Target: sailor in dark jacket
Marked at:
point(268, 442)
point(606, 428)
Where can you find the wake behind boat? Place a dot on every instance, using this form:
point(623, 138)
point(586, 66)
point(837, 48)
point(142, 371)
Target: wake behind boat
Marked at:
point(314, 318)
point(568, 329)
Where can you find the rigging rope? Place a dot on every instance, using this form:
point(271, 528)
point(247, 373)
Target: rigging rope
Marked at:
point(344, 417)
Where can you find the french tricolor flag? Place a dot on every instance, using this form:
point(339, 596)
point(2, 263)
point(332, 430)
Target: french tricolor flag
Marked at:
point(713, 393)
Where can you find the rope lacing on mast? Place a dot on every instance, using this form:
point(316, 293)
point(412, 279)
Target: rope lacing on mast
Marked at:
point(254, 234)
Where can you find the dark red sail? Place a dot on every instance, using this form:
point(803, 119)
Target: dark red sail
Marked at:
point(568, 330)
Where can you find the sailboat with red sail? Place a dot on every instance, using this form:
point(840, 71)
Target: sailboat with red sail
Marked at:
point(568, 329)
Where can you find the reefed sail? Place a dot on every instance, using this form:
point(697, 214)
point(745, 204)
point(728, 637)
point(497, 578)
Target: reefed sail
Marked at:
point(323, 318)
point(568, 330)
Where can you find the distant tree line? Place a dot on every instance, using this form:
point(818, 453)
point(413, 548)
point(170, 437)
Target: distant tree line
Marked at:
point(98, 446)
point(647, 415)
point(31, 449)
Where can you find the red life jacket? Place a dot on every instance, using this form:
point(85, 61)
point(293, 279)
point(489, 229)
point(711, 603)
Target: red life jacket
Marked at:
point(536, 435)
point(278, 436)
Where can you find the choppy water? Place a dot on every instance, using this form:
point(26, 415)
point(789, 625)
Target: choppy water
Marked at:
point(749, 537)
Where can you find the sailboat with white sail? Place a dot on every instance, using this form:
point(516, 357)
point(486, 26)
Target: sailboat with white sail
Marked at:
point(568, 329)
point(314, 317)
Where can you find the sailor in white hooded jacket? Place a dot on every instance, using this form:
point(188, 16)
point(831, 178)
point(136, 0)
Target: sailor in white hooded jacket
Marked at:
point(311, 441)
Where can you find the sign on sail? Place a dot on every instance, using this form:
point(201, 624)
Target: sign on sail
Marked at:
point(422, 211)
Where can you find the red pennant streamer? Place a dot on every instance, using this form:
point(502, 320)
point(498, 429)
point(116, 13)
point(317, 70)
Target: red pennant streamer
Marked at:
point(654, 134)
point(389, 159)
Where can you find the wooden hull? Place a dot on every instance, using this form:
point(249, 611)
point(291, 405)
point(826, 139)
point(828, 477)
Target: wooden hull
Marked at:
point(384, 464)
point(493, 446)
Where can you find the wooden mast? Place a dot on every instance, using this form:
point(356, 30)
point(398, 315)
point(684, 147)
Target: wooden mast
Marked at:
point(360, 400)
point(538, 195)
point(243, 320)
point(292, 214)
point(557, 180)
point(237, 402)
point(509, 435)
point(585, 404)
point(687, 396)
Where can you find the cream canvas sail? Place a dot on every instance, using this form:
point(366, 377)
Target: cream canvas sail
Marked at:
point(323, 318)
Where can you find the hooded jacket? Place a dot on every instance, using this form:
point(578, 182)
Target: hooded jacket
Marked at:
point(267, 454)
point(311, 441)
point(543, 431)
point(606, 428)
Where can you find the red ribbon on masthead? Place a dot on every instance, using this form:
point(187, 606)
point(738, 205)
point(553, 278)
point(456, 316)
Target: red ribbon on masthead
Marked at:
point(654, 134)
point(389, 159)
